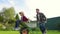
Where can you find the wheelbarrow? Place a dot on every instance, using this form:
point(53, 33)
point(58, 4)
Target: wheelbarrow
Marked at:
point(29, 30)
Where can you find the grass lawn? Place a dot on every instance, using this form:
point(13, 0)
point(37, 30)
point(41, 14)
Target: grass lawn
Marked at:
point(34, 32)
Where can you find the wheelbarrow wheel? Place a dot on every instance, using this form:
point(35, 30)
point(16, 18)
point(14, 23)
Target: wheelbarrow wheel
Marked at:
point(24, 31)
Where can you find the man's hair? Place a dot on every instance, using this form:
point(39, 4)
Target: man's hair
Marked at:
point(37, 9)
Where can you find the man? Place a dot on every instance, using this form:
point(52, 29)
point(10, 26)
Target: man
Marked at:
point(41, 19)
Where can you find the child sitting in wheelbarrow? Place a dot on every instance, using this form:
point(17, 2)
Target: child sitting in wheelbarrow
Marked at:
point(22, 22)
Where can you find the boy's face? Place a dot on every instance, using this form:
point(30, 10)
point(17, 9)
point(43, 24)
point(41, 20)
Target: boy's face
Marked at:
point(21, 14)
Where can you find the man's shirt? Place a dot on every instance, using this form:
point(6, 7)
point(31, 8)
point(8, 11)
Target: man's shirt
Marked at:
point(41, 17)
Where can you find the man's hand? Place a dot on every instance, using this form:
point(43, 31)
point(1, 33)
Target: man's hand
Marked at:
point(35, 17)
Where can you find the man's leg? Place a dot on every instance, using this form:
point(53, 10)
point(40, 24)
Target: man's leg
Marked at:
point(42, 28)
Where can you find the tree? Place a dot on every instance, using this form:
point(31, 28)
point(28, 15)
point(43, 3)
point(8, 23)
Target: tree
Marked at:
point(17, 17)
point(7, 16)
point(1, 18)
point(9, 13)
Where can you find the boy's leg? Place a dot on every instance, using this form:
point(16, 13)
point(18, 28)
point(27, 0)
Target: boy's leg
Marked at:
point(17, 24)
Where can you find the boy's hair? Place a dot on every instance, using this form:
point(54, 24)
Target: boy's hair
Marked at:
point(20, 12)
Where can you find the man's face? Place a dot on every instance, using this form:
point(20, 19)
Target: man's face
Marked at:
point(37, 10)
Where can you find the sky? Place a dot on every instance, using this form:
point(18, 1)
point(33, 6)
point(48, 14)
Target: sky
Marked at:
point(51, 8)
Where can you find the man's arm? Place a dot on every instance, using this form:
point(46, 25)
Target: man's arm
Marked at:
point(44, 18)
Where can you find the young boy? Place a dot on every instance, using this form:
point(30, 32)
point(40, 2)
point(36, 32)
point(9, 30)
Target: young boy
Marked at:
point(22, 22)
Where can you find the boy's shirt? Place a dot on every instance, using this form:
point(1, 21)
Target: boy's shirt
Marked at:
point(24, 19)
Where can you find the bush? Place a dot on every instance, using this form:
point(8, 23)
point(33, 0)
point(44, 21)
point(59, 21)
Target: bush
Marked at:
point(58, 26)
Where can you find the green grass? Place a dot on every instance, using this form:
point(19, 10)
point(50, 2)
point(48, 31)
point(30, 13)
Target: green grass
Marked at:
point(34, 32)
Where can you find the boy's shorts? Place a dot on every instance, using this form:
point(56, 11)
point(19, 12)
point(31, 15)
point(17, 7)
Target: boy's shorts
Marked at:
point(19, 22)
